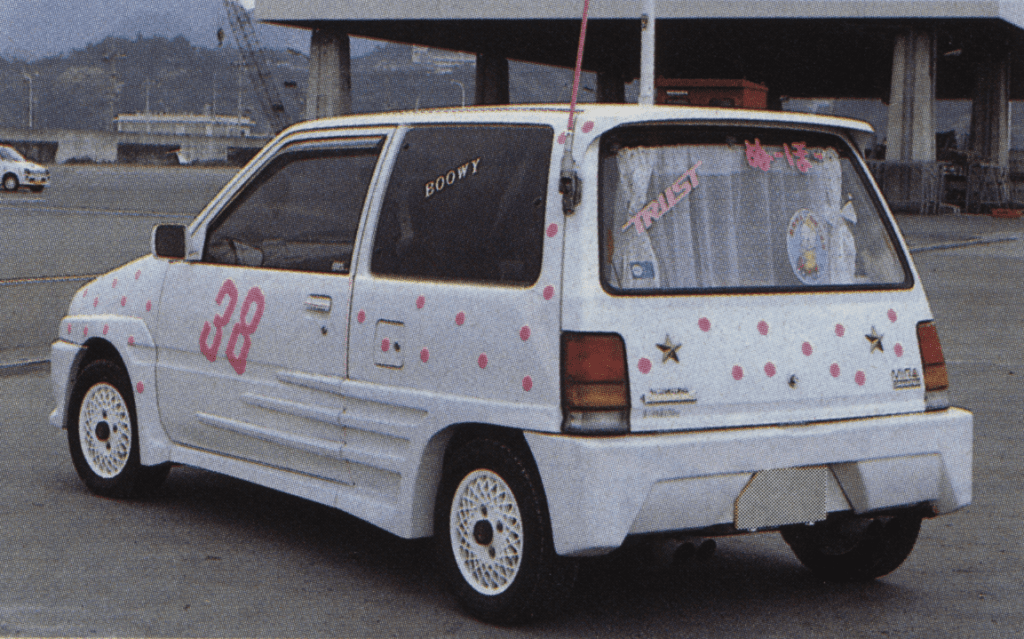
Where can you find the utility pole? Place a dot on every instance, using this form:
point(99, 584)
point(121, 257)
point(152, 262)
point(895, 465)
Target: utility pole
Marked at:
point(647, 20)
point(31, 98)
point(115, 87)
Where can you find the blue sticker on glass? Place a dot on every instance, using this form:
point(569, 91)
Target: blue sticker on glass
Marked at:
point(642, 270)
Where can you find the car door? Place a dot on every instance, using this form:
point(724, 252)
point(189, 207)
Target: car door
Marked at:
point(267, 302)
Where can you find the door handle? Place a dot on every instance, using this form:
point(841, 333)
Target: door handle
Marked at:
point(318, 303)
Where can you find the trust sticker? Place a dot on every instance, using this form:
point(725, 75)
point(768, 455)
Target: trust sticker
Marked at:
point(665, 201)
point(807, 244)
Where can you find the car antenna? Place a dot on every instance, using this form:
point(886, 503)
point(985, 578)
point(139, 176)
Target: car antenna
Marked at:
point(569, 182)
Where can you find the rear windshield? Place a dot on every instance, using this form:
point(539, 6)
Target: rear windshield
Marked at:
point(729, 208)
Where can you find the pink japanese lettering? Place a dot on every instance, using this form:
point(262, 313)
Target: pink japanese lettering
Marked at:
point(757, 157)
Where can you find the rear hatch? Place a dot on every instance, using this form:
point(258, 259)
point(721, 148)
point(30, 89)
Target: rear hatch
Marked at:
point(754, 278)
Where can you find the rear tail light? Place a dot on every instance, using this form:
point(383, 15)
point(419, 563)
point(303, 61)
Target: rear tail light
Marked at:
point(933, 364)
point(595, 388)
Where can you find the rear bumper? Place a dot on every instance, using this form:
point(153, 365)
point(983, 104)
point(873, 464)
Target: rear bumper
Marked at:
point(601, 489)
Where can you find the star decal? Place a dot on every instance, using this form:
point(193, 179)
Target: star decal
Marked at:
point(876, 340)
point(669, 350)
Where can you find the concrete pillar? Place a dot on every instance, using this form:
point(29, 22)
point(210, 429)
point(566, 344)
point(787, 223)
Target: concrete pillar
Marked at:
point(329, 90)
point(911, 130)
point(611, 88)
point(990, 110)
point(491, 79)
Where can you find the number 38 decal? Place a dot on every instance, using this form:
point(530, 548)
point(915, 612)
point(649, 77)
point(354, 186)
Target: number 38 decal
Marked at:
point(243, 329)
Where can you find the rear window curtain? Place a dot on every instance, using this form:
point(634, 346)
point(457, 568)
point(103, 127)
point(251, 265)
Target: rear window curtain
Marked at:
point(466, 203)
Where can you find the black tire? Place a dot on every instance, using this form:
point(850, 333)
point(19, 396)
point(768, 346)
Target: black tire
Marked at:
point(35, 188)
point(503, 568)
point(10, 182)
point(849, 548)
point(103, 434)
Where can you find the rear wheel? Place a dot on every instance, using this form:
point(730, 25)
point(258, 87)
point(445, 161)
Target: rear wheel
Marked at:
point(103, 434)
point(494, 538)
point(850, 548)
point(35, 188)
point(10, 182)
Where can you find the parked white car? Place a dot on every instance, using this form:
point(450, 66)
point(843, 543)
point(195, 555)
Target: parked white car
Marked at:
point(16, 171)
point(467, 324)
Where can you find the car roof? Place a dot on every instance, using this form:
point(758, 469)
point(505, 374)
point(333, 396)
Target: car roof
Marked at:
point(556, 115)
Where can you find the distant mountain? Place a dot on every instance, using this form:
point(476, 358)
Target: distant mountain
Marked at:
point(32, 29)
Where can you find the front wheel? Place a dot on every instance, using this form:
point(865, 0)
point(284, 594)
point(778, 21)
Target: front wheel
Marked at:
point(103, 435)
point(494, 538)
point(849, 548)
point(10, 182)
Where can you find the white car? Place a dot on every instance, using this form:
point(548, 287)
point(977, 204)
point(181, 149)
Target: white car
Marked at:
point(16, 171)
point(675, 323)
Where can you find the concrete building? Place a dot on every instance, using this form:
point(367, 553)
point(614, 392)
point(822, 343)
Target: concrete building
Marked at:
point(906, 53)
point(186, 124)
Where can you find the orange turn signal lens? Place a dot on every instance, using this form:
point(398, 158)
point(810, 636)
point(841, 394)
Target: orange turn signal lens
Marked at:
point(932, 360)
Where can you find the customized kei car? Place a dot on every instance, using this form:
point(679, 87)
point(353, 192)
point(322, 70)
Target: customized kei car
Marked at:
point(535, 346)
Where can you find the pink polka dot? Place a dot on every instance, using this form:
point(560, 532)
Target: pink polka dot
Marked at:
point(834, 370)
point(807, 349)
point(644, 365)
point(549, 292)
point(385, 345)
point(424, 356)
point(361, 316)
point(898, 349)
point(139, 387)
point(85, 331)
point(552, 230)
point(114, 284)
point(69, 329)
point(149, 305)
point(588, 126)
point(527, 383)
point(124, 300)
point(131, 340)
point(138, 274)
point(85, 293)
point(762, 327)
point(769, 369)
point(859, 378)
point(704, 324)
point(105, 329)
point(737, 373)
point(420, 301)
point(482, 360)
point(460, 318)
point(892, 315)
point(96, 302)
point(840, 330)
point(561, 138)
point(524, 333)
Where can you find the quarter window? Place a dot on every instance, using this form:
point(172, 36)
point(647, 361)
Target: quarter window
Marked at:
point(466, 203)
point(301, 212)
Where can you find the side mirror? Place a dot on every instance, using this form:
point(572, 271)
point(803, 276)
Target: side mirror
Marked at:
point(169, 241)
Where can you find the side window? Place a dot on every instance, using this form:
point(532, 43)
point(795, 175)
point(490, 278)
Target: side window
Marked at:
point(301, 211)
point(466, 203)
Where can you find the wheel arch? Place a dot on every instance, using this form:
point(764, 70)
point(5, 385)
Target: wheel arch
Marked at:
point(435, 457)
point(92, 350)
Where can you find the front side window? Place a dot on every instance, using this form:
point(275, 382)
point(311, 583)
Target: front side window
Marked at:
point(301, 212)
point(739, 209)
point(466, 203)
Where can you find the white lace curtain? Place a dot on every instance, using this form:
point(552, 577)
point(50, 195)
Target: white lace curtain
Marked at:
point(704, 216)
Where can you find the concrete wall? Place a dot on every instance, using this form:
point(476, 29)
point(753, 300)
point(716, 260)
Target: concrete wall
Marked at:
point(100, 146)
